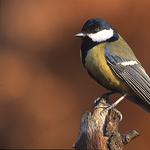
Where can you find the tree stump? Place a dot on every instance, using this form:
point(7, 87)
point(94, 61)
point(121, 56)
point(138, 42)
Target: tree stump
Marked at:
point(101, 131)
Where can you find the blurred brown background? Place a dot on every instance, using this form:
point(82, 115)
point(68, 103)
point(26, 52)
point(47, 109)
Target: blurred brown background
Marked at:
point(44, 89)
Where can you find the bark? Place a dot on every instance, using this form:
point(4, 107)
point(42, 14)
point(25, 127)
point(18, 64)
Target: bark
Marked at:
point(101, 131)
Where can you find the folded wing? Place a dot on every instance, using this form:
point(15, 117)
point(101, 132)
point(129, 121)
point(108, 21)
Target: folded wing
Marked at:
point(132, 72)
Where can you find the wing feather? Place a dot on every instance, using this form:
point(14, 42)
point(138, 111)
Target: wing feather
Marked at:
point(134, 74)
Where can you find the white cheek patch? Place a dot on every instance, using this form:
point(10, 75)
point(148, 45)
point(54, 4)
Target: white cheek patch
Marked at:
point(101, 35)
point(127, 63)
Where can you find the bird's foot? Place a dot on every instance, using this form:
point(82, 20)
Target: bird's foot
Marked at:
point(105, 96)
point(108, 106)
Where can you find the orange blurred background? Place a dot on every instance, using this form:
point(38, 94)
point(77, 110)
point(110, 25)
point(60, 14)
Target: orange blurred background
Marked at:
point(44, 89)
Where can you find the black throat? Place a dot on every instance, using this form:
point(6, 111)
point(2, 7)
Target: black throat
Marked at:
point(86, 45)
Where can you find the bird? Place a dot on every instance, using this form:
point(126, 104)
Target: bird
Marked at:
point(109, 60)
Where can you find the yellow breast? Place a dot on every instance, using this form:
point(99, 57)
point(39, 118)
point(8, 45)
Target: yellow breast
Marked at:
point(95, 63)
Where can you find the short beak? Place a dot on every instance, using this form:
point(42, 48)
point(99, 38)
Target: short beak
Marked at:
point(79, 34)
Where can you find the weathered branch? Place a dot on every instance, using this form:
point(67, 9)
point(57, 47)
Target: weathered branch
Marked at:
point(101, 131)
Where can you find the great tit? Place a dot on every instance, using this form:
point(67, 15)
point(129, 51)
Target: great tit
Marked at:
point(109, 60)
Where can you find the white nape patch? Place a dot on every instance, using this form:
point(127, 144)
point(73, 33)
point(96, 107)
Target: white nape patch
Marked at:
point(101, 35)
point(126, 63)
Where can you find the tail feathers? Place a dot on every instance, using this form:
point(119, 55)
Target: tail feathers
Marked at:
point(137, 100)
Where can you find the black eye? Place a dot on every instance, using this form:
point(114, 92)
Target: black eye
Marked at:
point(96, 30)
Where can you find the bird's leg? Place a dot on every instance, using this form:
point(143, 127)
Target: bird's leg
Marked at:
point(113, 105)
point(98, 100)
point(109, 106)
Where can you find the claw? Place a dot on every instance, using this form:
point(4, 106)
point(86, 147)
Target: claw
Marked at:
point(119, 114)
point(108, 106)
point(98, 100)
point(101, 113)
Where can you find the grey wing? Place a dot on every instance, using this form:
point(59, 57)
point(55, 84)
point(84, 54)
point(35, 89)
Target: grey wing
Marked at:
point(132, 72)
